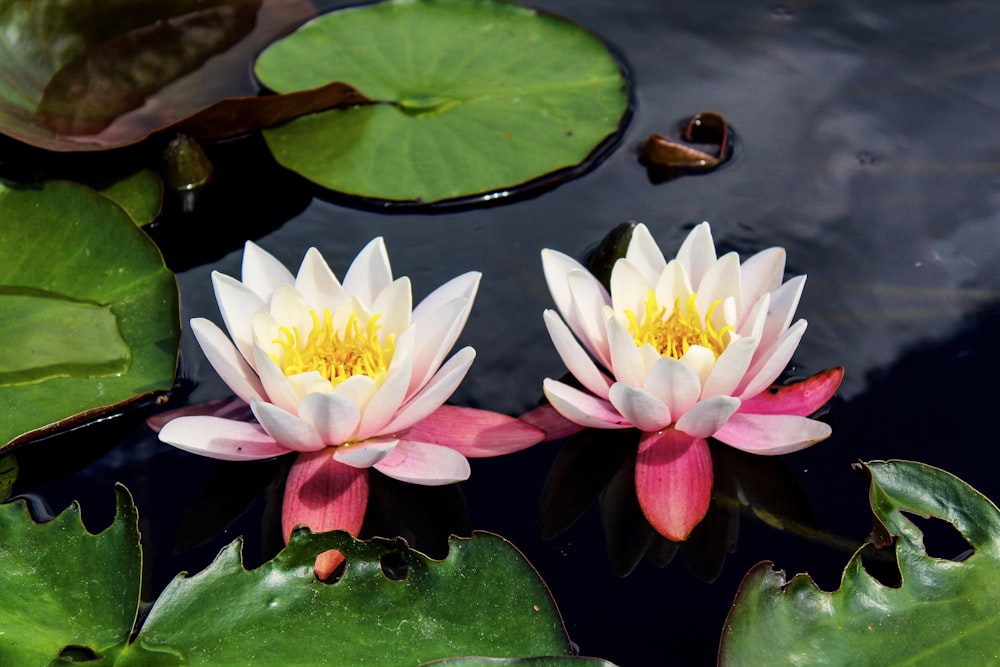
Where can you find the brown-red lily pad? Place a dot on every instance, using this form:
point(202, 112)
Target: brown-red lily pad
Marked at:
point(99, 74)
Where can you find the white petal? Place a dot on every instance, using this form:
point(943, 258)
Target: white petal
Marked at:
point(677, 385)
point(262, 273)
point(333, 415)
point(394, 304)
point(761, 273)
point(784, 301)
point(582, 408)
point(722, 280)
point(706, 417)
point(629, 288)
point(436, 333)
point(729, 368)
point(752, 325)
point(433, 394)
point(287, 429)
point(464, 286)
point(386, 400)
point(577, 360)
point(237, 303)
point(227, 361)
point(642, 408)
point(366, 453)
point(697, 253)
point(279, 390)
point(700, 359)
point(289, 309)
point(645, 255)
point(317, 283)
point(219, 438)
point(766, 369)
point(358, 388)
point(424, 463)
point(626, 361)
point(557, 266)
point(589, 299)
point(369, 273)
point(311, 382)
point(673, 284)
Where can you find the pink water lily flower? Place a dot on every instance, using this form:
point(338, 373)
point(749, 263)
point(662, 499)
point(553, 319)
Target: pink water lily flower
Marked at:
point(682, 350)
point(348, 375)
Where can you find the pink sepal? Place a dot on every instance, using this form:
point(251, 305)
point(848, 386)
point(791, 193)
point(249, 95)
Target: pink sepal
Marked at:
point(673, 481)
point(800, 398)
point(475, 433)
point(324, 494)
point(553, 424)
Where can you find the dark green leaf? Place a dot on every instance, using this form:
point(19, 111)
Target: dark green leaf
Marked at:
point(945, 612)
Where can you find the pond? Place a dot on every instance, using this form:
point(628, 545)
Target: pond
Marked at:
point(866, 144)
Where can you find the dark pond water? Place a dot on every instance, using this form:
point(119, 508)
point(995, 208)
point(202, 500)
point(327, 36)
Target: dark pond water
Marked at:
point(868, 146)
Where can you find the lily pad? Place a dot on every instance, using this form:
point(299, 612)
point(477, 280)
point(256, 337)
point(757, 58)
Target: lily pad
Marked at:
point(140, 194)
point(945, 612)
point(97, 74)
point(90, 312)
point(67, 592)
point(474, 98)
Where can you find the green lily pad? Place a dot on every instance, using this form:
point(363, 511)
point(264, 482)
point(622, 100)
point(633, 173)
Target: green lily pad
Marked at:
point(90, 312)
point(98, 74)
point(67, 592)
point(945, 612)
point(8, 474)
point(474, 97)
point(64, 587)
point(140, 194)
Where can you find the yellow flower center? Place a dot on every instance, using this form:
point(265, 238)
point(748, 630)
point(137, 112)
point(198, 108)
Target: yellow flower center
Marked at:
point(333, 354)
point(674, 333)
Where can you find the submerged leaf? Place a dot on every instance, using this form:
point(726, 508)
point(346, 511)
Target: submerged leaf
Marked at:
point(945, 612)
point(475, 97)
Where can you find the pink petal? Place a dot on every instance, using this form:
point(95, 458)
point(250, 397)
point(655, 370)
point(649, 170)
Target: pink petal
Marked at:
point(553, 424)
point(424, 463)
point(673, 481)
point(228, 408)
point(366, 453)
point(324, 495)
point(262, 273)
point(577, 361)
point(772, 434)
point(800, 398)
point(475, 433)
point(220, 438)
point(582, 408)
point(641, 407)
point(706, 417)
point(227, 361)
point(290, 431)
point(369, 273)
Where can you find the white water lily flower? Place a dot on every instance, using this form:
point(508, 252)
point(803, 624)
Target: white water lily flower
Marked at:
point(683, 350)
point(349, 375)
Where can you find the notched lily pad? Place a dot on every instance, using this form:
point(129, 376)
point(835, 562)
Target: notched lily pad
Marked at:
point(90, 313)
point(944, 612)
point(474, 100)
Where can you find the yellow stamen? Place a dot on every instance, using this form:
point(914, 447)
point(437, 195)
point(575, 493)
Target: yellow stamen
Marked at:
point(672, 335)
point(336, 355)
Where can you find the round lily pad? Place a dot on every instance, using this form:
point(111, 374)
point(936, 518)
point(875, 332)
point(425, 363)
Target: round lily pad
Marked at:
point(470, 98)
point(90, 313)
